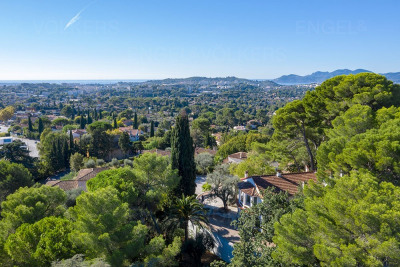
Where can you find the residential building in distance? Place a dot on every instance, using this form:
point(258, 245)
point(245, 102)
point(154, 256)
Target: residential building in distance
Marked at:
point(79, 181)
point(134, 134)
point(236, 157)
point(6, 140)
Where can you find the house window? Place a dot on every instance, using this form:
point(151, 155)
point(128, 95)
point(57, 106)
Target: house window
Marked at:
point(247, 200)
point(255, 200)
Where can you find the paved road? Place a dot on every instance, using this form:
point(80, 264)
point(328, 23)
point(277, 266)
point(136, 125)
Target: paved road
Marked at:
point(32, 144)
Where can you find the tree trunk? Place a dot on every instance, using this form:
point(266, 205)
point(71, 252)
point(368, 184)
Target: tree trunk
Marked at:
point(303, 131)
point(186, 230)
point(154, 220)
point(225, 202)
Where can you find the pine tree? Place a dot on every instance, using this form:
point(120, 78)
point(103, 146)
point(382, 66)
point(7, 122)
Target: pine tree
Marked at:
point(152, 129)
point(182, 155)
point(135, 122)
point(40, 126)
point(30, 124)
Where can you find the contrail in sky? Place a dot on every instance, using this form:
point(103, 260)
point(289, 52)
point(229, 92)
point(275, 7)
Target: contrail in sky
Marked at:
point(74, 19)
point(77, 16)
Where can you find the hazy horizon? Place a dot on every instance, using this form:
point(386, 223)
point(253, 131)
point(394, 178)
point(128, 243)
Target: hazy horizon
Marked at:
point(115, 80)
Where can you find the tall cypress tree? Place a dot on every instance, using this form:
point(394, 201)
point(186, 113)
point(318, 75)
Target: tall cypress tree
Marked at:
point(207, 142)
point(66, 153)
point(30, 127)
point(182, 155)
point(60, 155)
point(135, 122)
point(115, 123)
point(89, 119)
point(152, 129)
point(71, 142)
point(82, 121)
point(53, 156)
point(73, 111)
point(40, 126)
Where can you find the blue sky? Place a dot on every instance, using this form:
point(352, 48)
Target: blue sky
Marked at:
point(160, 39)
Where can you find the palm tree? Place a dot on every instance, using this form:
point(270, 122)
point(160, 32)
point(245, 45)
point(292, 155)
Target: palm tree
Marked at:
point(185, 210)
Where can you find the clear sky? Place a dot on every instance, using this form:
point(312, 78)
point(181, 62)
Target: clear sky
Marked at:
point(131, 39)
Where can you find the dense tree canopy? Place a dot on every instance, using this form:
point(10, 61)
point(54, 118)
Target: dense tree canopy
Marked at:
point(353, 223)
point(101, 222)
point(255, 164)
point(148, 183)
point(350, 128)
point(7, 113)
point(240, 143)
point(54, 151)
point(12, 177)
point(17, 152)
point(304, 120)
point(29, 205)
point(376, 150)
point(41, 243)
point(256, 229)
point(223, 184)
point(103, 229)
point(99, 125)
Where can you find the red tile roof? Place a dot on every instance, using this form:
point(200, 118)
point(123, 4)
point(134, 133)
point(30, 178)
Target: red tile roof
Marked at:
point(64, 184)
point(248, 188)
point(288, 182)
point(87, 174)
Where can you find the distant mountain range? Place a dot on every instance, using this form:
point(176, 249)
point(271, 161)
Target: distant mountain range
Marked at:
point(214, 81)
point(320, 76)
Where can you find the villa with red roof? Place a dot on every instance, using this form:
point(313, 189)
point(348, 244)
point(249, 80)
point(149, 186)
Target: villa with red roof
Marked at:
point(251, 188)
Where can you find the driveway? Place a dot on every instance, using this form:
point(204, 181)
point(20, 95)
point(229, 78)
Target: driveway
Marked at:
point(32, 146)
point(220, 223)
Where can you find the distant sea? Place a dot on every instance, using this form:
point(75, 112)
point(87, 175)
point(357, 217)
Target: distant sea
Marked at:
point(10, 82)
